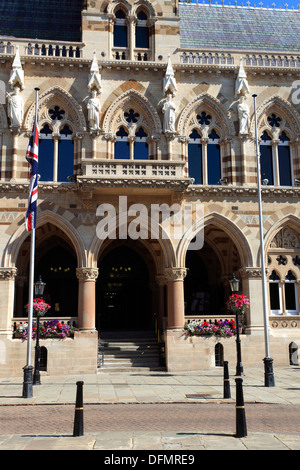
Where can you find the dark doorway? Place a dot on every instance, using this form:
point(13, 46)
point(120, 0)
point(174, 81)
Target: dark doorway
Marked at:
point(123, 294)
point(203, 287)
point(57, 268)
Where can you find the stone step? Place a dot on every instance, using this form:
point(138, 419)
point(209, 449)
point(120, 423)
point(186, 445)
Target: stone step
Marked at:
point(125, 351)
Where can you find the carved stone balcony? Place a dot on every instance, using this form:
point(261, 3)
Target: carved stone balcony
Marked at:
point(133, 173)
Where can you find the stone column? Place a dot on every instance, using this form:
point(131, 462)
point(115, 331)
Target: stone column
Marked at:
point(276, 162)
point(56, 140)
point(86, 297)
point(14, 154)
point(204, 161)
point(175, 295)
point(162, 282)
point(252, 288)
point(7, 280)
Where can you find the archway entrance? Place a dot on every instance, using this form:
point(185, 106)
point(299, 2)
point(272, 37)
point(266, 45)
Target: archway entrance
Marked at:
point(203, 286)
point(124, 300)
point(55, 262)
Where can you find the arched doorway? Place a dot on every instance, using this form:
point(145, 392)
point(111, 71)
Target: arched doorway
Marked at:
point(57, 268)
point(203, 287)
point(55, 262)
point(123, 300)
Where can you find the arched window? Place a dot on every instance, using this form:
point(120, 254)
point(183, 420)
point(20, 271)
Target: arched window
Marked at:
point(122, 144)
point(65, 154)
point(142, 30)
point(213, 158)
point(290, 293)
point(275, 153)
point(284, 160)
point(56, 154)
point(46, 152)
point(266, 159)
point(120, 29)
point(275, 294)
point(204, 156)
point(195, 157)
point(135, 147)
point(140, 145)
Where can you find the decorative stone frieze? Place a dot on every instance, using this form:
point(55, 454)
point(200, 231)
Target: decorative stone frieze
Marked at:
point(284, 323)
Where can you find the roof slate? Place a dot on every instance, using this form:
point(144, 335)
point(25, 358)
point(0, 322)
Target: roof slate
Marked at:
point(38, 19)
point(227, 27)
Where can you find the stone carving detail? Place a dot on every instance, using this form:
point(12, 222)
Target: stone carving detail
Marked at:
point(286, 238)
point(15, 107)
point(168, 110)
point(87, 274)
point(7, 274)
point(285, 323)
point(175, 274)
point(244, 115)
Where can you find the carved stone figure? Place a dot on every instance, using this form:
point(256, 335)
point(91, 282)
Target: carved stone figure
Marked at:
point(168, 110)
point(94, 107)
point(15, 108)
point(244, 115)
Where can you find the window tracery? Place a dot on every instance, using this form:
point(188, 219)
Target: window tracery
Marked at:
point(284, 277)
point(278, 129)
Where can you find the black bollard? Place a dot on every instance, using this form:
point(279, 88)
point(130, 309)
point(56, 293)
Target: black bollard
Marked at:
point(241, 427)
point(78, 419)
point(226, 387)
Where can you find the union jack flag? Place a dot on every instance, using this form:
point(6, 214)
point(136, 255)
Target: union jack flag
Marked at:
point(32, 158)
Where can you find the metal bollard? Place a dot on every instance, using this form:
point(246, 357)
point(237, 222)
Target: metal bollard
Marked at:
point(78, 419)
point(241, 427)
point(226, 388)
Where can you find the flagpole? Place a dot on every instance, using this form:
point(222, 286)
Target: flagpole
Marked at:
point(268, 361)
point(28, 369)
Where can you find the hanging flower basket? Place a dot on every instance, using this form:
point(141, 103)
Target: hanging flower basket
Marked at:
point(237, 304)
point(39, 307)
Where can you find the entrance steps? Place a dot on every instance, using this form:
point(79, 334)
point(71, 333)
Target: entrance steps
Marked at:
point(125, 351)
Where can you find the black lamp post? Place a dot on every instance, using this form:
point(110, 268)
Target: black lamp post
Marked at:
point(234, 286)
point(39, 287)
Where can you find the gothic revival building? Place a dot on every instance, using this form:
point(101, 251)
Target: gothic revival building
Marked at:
point(143, 104)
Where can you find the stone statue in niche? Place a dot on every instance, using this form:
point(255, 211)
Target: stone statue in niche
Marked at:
point(15, 107)
point(168, 110)
point(94, 108)
point(244, 115)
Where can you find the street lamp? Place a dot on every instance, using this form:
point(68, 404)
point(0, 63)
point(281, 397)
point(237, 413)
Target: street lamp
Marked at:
point(39, 287)
point(234, 286)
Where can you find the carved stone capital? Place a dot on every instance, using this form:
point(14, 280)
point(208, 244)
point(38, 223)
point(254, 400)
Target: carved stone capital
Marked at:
point(250, 273)
point(175, 274)
point(87, 274)
point(161, 279)
point(7, 274)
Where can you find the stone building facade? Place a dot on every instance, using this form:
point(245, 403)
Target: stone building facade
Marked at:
point(151, 103)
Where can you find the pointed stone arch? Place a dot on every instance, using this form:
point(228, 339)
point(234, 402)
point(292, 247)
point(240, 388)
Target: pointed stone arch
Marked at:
point(205, 102)
point(56, 95)
point(290, 221)
point(19, 236)
point(236, 230)
point(290, 118)
point(154, 243)
point(114, 116)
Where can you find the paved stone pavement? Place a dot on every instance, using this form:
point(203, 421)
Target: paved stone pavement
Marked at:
point(157, 405)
